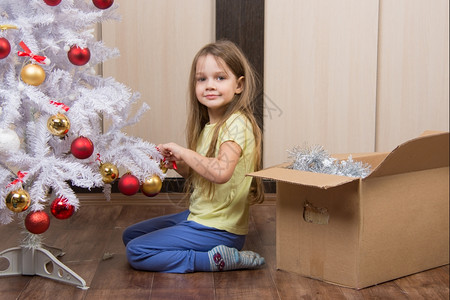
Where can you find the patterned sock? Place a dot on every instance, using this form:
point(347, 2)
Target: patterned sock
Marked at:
point(223, 258)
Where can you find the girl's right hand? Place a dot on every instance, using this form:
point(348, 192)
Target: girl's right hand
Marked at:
point(171, 151)
point(172, 158)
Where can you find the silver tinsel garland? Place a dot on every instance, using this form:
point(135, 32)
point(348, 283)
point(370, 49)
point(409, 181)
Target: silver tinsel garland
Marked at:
point(316, 159)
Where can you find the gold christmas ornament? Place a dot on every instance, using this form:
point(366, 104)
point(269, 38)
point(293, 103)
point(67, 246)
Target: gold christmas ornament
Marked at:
point(33, 74)
point(151, 186)
point(18, 201)
point(163, 167)
point(58, 125)
point(109, 172)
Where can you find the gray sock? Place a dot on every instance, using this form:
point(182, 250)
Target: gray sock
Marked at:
point(223, 258)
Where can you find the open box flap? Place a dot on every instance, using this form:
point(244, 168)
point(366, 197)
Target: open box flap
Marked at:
point(324, 181)
point(373, 159)
point(429, 151)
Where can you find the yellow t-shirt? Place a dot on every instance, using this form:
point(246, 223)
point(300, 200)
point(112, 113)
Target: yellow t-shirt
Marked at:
point(228, 209)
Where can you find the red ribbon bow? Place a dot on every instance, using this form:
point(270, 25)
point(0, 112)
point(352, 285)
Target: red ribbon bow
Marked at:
point(20, 176)
point(37, 58)
point(174, 164)
point(63, 106)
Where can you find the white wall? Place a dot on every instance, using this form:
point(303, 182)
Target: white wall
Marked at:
point(320, 70)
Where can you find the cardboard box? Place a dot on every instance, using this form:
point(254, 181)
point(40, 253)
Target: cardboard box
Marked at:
point(360, 232)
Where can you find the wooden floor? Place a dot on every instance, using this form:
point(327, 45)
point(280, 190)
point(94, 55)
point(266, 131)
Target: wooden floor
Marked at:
point(91, 240)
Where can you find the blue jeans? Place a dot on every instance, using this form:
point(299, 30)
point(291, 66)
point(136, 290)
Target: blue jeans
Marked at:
point(174, 245)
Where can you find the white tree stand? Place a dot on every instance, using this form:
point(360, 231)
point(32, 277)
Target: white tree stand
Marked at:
point(41, 262)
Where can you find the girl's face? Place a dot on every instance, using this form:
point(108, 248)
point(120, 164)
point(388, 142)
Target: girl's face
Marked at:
point(215, 85)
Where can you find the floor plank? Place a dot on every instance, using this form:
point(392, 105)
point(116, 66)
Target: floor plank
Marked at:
point(11, 287)
point(427, 285)
point(187, 286)
point(115, 277)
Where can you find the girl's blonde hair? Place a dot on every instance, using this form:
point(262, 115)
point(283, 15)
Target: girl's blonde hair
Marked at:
point(230, 54)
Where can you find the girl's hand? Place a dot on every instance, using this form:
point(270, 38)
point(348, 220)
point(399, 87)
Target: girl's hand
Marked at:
point(215, 169)
point(171, 151)
point(170, 160)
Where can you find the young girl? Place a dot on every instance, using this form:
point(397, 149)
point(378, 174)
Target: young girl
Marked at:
point(223, 146)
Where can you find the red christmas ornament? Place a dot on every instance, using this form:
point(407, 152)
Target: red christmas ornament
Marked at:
point(82, 147)
point(61, 209)
point(103, 4)
point(5, 48)
point(52, 2)
point(79, 56)
point(37, 222)
point(129, 184)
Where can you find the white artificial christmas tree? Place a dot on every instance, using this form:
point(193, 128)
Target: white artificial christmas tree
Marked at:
point(52, 107)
